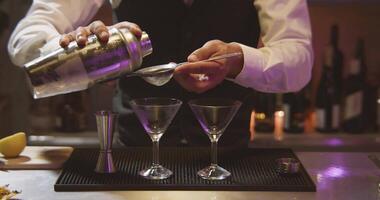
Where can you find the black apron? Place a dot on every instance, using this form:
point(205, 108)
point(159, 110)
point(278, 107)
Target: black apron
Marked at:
point(176, 30)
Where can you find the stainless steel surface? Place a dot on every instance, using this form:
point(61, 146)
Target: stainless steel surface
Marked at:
point(338, 176)
point(314, 141)
point(105, 163)
point(164, 68)
point(337, 142)
point(105, 121)
point(73, 68)
point(161, 74)
point(288, 166)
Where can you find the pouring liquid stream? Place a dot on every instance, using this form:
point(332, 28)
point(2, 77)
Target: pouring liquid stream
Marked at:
point(159, 75)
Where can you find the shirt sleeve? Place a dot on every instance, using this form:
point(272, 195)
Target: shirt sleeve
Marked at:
point(284, 63)
point(39, 31)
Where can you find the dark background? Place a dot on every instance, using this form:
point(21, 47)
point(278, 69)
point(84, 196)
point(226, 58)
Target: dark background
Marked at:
point(19, 112)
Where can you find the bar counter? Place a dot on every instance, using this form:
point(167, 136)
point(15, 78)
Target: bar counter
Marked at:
point(337, 175)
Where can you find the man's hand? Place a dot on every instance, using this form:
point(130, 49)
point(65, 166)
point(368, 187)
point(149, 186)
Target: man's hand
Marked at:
point(201, 76)
point(99, 29)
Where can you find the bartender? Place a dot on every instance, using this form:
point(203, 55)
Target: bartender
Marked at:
point(186, 30)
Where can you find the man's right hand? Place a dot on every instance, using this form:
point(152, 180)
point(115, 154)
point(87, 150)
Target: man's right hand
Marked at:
point(99, 29)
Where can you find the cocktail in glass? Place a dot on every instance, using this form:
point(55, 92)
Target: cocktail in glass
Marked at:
point(214, 115)
point(155, 114)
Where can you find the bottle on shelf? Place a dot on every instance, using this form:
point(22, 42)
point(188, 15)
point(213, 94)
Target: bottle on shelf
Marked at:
point(378, 111)
point(41, 116)
point(264, 112)
point(371, 104)
point(355, 92)
point(328, 102)
point(295, 105)
point(70, 114)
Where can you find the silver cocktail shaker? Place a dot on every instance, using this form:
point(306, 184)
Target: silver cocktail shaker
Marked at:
point(73, 68)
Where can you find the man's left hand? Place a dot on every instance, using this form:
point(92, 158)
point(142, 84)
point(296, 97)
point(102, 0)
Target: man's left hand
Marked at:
point(202, 76)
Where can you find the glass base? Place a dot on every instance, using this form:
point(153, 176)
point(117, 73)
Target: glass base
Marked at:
point(156, 172)
point(213, 172)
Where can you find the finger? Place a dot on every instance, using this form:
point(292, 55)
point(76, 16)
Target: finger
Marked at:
point(200, 68)
point(206, 84)
point(81, 36)
point(182, 80)
point(205, 52)
point(112, 84)
point(192, 83)
point(134, 28)
point(66, 39)
point(100, 30)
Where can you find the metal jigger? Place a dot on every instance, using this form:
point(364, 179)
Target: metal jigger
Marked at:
point(105, 121)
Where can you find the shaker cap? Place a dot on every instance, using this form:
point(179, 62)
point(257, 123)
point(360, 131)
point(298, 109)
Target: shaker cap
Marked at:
point(144, 42)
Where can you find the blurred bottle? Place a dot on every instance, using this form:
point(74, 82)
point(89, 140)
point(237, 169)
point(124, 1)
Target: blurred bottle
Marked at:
point(378, 110)
point(41, 116)
point(264, 112)
point(354, 93)
point(371, 106)
point(295, 105)
point(71, 115)
point(328, 100)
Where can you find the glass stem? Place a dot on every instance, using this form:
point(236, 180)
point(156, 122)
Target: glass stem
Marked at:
point(214, 153)
point(156, 153)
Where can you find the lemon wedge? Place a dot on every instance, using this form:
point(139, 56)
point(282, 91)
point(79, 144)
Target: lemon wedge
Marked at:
point(13, 145)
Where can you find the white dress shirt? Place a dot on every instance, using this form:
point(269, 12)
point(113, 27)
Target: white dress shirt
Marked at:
point(282, 65)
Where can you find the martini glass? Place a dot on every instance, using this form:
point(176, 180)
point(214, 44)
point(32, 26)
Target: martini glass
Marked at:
point(214, 115)
point(155, 114)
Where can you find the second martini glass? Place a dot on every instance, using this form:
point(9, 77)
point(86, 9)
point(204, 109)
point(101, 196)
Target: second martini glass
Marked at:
point(155, 114)
point(214, 115)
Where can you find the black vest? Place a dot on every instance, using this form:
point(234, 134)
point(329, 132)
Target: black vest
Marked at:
point(176, 30)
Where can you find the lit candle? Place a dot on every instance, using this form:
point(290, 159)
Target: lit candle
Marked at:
point(310, 122)
point(252, 126)
point(278, 125)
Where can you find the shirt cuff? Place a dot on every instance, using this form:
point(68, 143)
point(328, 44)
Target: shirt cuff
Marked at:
point(50, 46)
point(252, 73)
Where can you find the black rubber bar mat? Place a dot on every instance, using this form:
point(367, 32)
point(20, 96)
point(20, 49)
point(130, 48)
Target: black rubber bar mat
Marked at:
point(251, 170)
